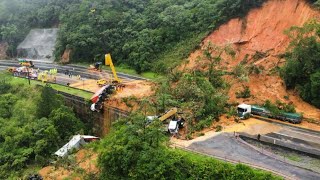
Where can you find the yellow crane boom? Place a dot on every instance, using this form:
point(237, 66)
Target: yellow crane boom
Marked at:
point(108, 62)
point(168, 114)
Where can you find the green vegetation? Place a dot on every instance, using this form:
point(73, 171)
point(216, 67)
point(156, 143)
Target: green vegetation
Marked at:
point(279, 107)
point(135, 150)
point(33, 124)
point(17, 17)
point(146, 35)
point(69, 90)
point(202, 93)
point(302, 70)
point(245, 93)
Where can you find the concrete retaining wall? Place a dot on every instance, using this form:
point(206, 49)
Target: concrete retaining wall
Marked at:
point(297, 147)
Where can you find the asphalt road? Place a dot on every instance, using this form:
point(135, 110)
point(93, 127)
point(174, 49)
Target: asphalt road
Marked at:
point(75, 69)
point(226, 146)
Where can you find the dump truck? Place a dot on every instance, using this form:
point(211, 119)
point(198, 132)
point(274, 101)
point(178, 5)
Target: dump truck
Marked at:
point(244, 111)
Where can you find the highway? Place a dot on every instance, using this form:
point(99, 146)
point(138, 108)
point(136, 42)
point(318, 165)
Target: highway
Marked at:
point(74, 69)
point(225, 146)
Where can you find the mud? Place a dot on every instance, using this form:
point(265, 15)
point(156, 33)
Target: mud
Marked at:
point(259, 39)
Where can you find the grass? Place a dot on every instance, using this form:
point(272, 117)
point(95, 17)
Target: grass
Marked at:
point(69, 90)
point(126, 70)
point(294, 157)
point(220, 165)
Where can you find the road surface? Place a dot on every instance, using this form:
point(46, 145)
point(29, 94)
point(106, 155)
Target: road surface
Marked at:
point(226, 146)
point(75, 69)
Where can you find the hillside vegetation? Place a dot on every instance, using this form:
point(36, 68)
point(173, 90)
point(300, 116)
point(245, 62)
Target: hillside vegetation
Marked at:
point(33, 124)
point(135, 150)
point(138, 33)
point(302, 70)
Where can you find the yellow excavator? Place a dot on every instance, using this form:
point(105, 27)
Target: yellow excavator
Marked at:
point(176, 121)
point(108, 62)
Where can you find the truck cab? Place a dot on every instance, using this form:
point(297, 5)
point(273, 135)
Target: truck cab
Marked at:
point(244, 111)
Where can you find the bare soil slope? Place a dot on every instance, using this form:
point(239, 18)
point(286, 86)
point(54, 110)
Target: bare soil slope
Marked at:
point(260, 39)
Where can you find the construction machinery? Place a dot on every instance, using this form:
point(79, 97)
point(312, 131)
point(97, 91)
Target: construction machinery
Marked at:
point(176, 121)
point(115, 80)
point(96, 66)
point(24, 62)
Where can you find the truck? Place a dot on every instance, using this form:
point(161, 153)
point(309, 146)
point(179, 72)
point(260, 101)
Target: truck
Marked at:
point(176, 121)
point(244, 111)
point(100, 96)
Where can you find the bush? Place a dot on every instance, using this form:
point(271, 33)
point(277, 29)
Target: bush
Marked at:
point(246, 93)
point(218, 128)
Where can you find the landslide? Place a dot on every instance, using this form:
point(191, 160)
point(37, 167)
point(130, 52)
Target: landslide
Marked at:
point(259, 40)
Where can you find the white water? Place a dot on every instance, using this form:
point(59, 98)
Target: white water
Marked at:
point(39, 45)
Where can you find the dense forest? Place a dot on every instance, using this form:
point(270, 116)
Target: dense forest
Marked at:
point(145, 34)
point(302, 70)
point(33, 123)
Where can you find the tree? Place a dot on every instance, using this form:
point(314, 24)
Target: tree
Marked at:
point(300, 70)
point(129, 147)
point(48, 102)
point(9, 34)
point(135, 150)
point(65, 122)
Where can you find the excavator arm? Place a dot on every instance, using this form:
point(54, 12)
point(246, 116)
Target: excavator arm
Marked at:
point(168, 114)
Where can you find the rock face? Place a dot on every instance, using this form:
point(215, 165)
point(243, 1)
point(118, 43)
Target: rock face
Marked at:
point(65, 58)
point(3, 50)
point(39, 44)
point(259, 39)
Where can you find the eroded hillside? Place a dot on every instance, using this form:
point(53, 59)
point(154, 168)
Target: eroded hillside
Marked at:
point(259, 40)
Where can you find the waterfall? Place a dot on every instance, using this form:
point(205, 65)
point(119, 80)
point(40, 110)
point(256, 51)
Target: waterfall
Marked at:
point(39, 44)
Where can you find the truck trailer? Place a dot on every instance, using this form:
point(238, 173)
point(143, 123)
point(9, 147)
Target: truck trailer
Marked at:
point(244, 111)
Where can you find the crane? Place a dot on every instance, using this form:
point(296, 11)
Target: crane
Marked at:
point(108, 62)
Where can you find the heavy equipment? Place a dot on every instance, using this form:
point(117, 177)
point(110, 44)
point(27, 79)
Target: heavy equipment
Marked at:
point(176, 121)
point(24, 62)
point(245, 111)
point(96, 66)
point(115, 80)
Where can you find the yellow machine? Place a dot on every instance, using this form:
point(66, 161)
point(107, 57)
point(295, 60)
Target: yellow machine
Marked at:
point(108, 62)
point(168, 114)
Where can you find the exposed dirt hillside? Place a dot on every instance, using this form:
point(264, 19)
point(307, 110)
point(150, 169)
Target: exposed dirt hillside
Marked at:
point(260, 39)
